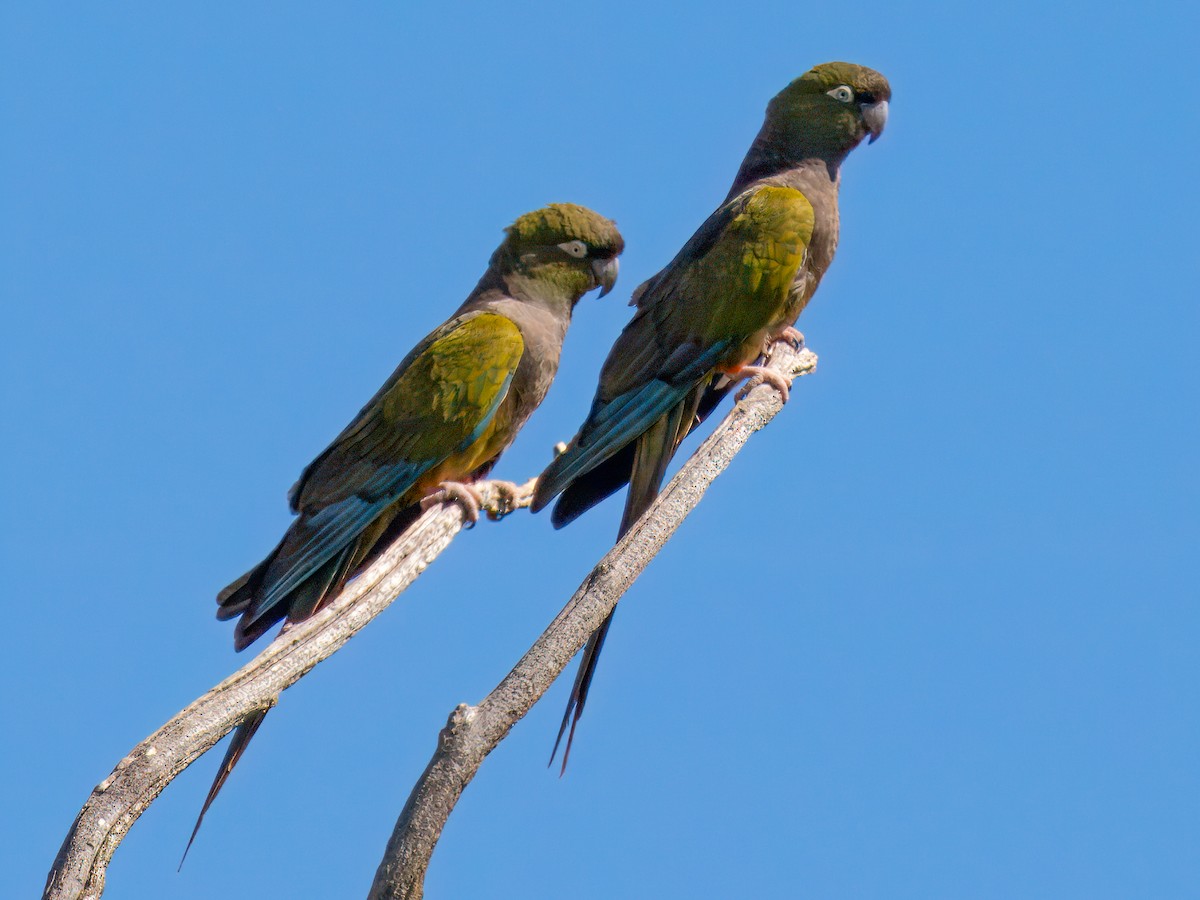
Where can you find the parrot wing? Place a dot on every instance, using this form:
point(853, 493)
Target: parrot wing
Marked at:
point(437, 403)
point(723, 288)
point(708, 311)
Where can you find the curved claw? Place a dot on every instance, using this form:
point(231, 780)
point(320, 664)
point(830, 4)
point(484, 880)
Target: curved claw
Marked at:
point(464, 495)
point(507, 493)
point(792, 336)
point(756, 375)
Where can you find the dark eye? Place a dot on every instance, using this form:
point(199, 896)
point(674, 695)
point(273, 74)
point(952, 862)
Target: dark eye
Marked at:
point(842, 93)
point(577, 249)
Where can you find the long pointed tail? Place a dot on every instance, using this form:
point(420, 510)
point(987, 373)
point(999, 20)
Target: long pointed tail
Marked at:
point(305, 600)
point(237, 746)
point(654, 450)
point(579, 692)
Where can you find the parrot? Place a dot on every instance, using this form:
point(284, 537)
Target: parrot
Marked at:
point(738, 284)
point(439, 422)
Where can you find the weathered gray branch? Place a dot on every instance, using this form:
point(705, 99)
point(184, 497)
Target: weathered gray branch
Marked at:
point(472, 732)
point(116, 803)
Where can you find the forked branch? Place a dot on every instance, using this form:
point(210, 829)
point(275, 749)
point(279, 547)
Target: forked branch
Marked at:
point(116, 803)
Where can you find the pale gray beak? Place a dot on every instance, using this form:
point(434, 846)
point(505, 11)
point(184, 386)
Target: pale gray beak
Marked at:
point(605, 271)
point(875, 117)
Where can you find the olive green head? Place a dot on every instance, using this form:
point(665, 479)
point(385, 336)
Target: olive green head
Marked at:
point(563, 246)
point(828, 110)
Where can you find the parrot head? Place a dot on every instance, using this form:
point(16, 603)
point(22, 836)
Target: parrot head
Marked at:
point(563, 247)
point(828, 110)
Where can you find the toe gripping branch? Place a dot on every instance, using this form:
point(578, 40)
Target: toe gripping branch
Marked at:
point(803, 360)
point(495, 498)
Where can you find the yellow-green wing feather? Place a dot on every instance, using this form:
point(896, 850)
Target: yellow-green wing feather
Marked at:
point(741, 286)
point(437, 402)
point(711, 307)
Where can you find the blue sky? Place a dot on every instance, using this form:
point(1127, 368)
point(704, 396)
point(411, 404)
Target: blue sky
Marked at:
point(934, 633)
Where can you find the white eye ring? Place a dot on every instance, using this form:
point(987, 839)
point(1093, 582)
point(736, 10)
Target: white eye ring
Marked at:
point(577, 249)
point(842, 93)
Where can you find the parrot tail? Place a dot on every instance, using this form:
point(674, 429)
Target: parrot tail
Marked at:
point(651, 454)
point(591, 488)
point(614, 473)
point(237, 596)
point(302, 602)
point(260, 600)
point(237, 746)
point(244, 597)
point(579, 692)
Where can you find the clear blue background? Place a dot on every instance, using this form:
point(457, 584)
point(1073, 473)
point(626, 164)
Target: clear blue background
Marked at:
point(933, 635)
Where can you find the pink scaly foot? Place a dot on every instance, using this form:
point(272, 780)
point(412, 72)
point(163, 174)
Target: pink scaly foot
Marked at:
point(756, 375)
point(464, 495)
point(792, 336)
point(507, 493)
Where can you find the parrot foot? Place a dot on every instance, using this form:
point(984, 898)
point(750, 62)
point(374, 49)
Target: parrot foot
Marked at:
point(464, 495)
point(507, 494)
point(756, 375)
point(792, 336)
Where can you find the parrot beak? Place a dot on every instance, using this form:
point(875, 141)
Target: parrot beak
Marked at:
point(605, 271)
point(875, 117)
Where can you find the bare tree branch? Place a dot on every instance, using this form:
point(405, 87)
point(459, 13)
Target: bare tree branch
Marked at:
point(472, 732)
point(116, 803)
